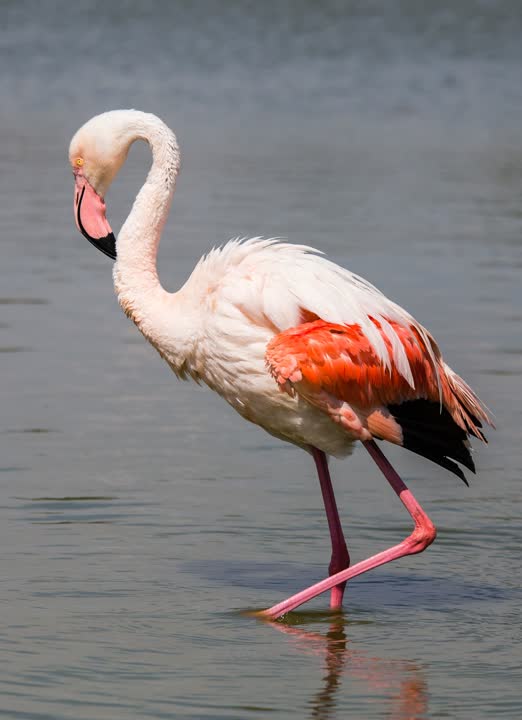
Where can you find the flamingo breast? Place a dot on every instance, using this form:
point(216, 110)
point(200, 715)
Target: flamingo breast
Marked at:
point(231, 360)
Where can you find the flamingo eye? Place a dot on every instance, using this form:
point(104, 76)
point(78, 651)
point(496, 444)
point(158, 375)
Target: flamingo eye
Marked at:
point(79, 162)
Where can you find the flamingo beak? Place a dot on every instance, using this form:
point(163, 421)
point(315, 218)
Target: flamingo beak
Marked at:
point(89, 213)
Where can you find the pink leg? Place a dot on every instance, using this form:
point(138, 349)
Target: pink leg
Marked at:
point(340, 557)
point(423, 535)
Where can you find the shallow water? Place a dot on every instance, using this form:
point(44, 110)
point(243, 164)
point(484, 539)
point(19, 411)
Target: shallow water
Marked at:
point(140, 517)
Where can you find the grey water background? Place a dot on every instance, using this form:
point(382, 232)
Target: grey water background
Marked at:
point(139, 516)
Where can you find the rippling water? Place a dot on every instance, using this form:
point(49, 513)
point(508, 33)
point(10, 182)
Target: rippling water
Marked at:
point(140, 516)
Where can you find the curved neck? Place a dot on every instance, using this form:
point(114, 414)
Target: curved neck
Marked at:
point(135, 273)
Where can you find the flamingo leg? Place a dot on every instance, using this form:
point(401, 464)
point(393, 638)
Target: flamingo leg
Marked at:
point(423, 535)
point(340, 556)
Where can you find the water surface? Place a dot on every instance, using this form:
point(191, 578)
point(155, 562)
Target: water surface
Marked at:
point(140, 517)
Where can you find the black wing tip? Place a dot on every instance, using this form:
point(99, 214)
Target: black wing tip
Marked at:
point(452, 467)
point(432, 433)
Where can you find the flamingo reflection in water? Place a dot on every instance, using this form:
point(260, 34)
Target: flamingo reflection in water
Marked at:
point(399, 686)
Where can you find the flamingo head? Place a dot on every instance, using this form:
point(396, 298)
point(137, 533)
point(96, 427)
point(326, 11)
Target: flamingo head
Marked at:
point(96, 153)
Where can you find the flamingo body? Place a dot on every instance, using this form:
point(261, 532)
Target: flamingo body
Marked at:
point(312, 353)
point(247, 304)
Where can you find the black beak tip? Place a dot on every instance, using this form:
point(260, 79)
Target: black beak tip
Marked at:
point(107, 244)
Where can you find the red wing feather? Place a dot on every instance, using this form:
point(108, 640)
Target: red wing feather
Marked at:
point(340, 360)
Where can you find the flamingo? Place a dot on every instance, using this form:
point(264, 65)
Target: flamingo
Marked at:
point(298, 345)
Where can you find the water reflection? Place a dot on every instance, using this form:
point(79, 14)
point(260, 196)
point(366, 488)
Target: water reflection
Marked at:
point(401, 684)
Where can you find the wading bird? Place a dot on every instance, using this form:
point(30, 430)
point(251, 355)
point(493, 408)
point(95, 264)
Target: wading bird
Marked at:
point(309, 351)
